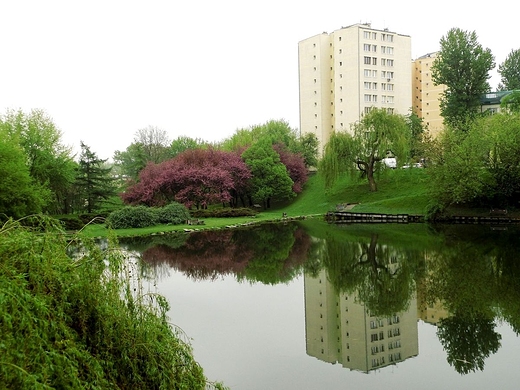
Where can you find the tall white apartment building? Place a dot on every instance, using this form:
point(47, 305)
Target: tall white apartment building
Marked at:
point(347, 72)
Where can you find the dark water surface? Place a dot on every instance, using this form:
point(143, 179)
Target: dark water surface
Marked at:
point(313, 306)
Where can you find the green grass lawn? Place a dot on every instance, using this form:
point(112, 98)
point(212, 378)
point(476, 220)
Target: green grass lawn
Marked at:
point(400, 191)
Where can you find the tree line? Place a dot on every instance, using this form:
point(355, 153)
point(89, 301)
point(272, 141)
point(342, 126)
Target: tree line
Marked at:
point(41, 175)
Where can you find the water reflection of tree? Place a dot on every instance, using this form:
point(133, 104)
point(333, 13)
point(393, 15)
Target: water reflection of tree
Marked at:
point(271, 253)
point(382, 275)
point(279, 253)
point(468, 341)
point(477, 280)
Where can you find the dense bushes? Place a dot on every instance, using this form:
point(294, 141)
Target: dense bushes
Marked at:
point(223, 212)
point(79, 323)
point(174, 213)
point(142, 216)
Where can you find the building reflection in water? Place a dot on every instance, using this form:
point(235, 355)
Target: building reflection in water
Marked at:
point(340, 329)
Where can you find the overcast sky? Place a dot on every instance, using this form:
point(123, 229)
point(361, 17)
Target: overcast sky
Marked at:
point(104, 69)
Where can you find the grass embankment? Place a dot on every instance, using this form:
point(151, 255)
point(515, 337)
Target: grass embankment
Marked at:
point(402, 191)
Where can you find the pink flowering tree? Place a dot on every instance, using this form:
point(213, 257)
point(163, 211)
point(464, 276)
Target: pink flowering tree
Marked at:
point(195, 178)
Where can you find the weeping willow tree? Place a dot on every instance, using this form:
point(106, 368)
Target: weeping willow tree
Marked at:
point(370, 141)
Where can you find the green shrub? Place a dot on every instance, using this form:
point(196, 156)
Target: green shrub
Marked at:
point(78, 323)
point(224, 212)
point(132, 217)
point(173, 213)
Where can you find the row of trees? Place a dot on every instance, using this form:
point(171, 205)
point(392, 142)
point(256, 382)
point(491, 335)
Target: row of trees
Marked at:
point(255, 165)
point(39, 173)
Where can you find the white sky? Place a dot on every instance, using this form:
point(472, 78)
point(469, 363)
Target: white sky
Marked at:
point(104, 69)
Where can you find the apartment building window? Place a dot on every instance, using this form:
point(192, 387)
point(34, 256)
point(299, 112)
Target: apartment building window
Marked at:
point(367, 73)
point(374, 73)
point(390, 99)
point(374, 85)
point(383, 86)
point(374, 48)
point(367, 60)
point(366, 47)
point(390, 87)
point(389, 50)
point(368, 85)
point(383, 74)
point(383, 61)
point(367, 110)
point(389, 62)
point(366, 34)
point(373, 337)
point(340, 63)
point(389, 75)
point(387, 37)
point(368, 98)
point(374, 61)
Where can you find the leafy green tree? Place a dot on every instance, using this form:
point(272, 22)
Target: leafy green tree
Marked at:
point(417, 135)
point(309, 149)
point(183, 143)
point(276, 131)
point(509, 71)
point(481, 166)
point(463, 66)
point(94, 181)
point(19, 194)
point(270, 179)
point(374, 137)
point(49, 162)
point(130, 161)
point(511, 102)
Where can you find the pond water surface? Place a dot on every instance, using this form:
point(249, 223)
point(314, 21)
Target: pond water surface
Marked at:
point(314, 306)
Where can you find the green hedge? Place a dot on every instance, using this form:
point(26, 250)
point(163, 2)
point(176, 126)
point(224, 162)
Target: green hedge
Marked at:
point(142, 216)
point(223, 212)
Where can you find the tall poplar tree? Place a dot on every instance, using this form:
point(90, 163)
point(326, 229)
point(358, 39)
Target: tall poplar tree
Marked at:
point(509, 71)
point(462, 65)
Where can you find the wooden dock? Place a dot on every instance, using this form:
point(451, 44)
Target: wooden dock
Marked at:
point(348, 217)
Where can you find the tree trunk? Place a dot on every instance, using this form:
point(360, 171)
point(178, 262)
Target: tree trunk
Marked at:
point(370, 177)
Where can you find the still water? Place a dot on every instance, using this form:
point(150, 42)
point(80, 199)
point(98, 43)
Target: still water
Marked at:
point(314, 306)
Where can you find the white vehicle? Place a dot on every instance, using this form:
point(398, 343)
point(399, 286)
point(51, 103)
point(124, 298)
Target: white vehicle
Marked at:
point(390, 162)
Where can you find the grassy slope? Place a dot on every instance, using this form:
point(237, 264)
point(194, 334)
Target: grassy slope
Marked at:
point(400, 191)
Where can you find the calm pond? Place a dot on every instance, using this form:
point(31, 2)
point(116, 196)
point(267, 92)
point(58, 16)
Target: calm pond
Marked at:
point(306, 305)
